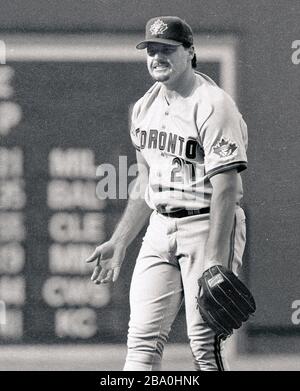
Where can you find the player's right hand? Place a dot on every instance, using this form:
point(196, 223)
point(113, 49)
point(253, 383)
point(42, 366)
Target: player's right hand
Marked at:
point(109, 257)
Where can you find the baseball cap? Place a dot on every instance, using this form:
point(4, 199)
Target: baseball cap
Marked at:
point(170, 30)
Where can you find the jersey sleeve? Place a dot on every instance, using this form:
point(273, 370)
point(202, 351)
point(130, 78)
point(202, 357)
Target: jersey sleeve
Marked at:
point(134, 130)
point(224, 138)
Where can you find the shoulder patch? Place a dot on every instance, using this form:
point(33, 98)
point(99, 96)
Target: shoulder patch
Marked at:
point(225, 148)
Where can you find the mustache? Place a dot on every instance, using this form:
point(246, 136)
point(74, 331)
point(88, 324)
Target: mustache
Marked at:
point(158, 63)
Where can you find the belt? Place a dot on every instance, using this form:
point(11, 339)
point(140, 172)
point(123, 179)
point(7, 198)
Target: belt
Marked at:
point(186, 212)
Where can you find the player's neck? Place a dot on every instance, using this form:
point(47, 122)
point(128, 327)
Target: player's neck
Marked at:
point(182, 86)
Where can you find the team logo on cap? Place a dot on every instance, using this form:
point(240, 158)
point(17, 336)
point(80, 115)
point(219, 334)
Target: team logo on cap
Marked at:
point(225, 148)
point(158, 27)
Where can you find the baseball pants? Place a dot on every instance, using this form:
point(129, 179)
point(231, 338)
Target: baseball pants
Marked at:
point(166, 274)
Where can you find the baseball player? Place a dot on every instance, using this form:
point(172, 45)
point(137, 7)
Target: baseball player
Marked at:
point(190, 142)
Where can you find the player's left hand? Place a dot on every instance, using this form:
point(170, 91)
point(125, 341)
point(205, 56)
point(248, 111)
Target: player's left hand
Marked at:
point(223, 300)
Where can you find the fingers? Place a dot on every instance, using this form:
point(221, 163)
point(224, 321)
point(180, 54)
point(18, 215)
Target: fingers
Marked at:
point(96, 273)
point(116, 274)
point(96, 254)
point(103, 276)
point(108, 277)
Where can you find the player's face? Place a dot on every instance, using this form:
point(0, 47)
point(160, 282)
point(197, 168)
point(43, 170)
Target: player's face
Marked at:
point(167, 63)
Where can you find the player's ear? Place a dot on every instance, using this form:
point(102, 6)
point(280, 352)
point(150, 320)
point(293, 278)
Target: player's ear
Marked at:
point(191, 51)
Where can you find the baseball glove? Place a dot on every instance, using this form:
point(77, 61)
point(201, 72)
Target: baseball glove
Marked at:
point(223, 300)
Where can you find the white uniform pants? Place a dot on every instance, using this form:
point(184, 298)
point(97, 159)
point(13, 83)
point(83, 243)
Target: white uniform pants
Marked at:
point(166, 273)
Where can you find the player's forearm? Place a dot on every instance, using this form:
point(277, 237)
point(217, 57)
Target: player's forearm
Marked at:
point(135, 216)
point(222, 212)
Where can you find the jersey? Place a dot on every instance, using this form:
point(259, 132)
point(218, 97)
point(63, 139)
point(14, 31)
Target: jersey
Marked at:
point(187, 141)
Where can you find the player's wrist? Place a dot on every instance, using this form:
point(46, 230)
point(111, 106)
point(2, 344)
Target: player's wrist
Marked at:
point(119, 242)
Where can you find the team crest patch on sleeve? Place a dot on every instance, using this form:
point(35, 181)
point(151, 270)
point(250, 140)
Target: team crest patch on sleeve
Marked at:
point(158, 27)
point(225, 148)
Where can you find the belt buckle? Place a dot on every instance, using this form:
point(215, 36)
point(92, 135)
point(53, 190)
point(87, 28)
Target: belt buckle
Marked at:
point(190, 212)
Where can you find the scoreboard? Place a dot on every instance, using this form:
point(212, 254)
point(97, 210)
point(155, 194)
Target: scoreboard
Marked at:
point(64, 118)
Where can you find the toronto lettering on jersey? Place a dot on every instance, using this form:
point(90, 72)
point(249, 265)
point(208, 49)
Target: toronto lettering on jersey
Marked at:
point(168, 142)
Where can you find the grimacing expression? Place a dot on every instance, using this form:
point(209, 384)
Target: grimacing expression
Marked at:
point(166, 63)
